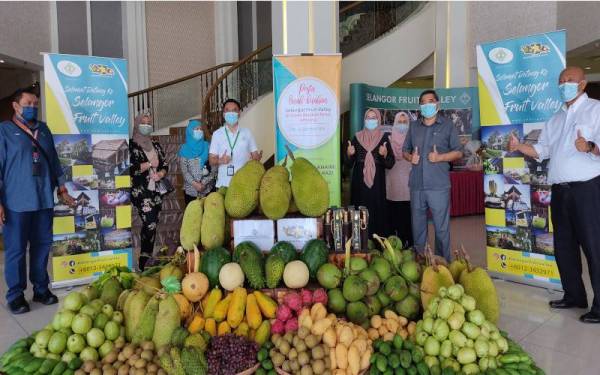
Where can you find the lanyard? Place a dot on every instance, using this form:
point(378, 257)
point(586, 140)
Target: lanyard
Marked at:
point(229, 140)
point(25, 128)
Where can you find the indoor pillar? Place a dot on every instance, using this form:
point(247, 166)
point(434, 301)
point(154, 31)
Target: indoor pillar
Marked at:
point(451, 45)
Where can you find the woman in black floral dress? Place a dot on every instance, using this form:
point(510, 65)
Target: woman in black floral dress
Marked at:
point(147, 167)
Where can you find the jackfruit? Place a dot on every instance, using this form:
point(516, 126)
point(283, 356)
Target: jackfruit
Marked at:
point(292, 209)
point(275, 192)
point(189, 235)
point(242, 194)
point(309, 188)
point(432, 281)
point(213, 222)
point(145, 327)
point(456, 268)
point(134, 312)
point(479, 285)
point(168, 318)
point(274, 270)
point(252, 265)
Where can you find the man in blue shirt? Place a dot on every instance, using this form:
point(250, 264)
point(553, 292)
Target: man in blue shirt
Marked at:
point(429, 181)
point(28, 177)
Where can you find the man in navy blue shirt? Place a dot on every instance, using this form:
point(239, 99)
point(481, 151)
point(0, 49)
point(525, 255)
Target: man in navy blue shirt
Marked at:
point(29, 172)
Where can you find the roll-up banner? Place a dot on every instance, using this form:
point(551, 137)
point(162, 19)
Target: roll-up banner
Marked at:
point(307, 113)
point(518, 93)
point(87, 112)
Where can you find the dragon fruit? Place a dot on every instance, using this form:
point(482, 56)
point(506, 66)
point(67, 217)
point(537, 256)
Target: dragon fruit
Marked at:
point(320, 296)
point(293, 301)
point(278, 327)
point(283, 313)
point(291, 325)
point(307, 297)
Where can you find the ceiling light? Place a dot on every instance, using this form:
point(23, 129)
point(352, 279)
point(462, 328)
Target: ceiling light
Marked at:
point(409, 82)
point(587, 68)
point(1, 61)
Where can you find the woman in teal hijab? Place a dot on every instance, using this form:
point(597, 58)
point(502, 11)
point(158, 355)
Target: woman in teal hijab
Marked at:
point(198, 177)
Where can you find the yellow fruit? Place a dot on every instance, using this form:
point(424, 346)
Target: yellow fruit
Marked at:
point(196, 324)
point(221, 309)
point(213, 298)
point(262, 333)
point(223, 329)
point(237, 306)
point(210, 326)
point(267, 305)
point(242, 329)
point(194, 286)
point(433, 281)
point(185, 308)
point(252, 334)
point(253, 315)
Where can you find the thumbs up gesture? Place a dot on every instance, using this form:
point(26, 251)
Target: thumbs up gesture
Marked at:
point(415, 158)
point(434, 157)
point(351, 150)
point(383, 149)
point(224, 159)
point(581, 143)
point(513, 143)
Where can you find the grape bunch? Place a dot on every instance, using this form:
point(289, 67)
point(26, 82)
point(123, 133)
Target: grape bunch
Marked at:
point(230, 354)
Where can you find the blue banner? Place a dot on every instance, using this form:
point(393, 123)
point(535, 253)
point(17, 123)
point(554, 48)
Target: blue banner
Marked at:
point(86, 94)
point(518, 78)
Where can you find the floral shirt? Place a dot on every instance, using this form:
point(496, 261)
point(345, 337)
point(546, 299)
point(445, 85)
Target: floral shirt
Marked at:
point(141, 197)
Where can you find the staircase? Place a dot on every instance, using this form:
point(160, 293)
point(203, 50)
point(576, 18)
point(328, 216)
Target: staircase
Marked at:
point(372, 26)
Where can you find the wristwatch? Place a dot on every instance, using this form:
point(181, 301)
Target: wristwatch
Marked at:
point(591, 146)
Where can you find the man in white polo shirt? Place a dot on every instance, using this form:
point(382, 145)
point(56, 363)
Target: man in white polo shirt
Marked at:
point(570, 140)
point(231, 146)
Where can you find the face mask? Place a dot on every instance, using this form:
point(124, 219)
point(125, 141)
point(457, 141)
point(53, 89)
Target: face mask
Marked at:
point(429, 110)
point(371, 123)
point(198, 135)
point(568, 91)
point(145, 129)
point(231, 118)
point(402, 128)
point(29, 114)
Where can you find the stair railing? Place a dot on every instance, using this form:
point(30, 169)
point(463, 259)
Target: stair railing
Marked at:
point(175, 101)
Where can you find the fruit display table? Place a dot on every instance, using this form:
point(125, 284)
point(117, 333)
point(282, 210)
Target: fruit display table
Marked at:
point(466, 195)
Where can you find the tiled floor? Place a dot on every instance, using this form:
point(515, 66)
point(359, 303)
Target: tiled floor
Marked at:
point(559, 343)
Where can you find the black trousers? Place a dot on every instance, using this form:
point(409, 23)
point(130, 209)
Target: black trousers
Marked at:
point(576, 221)
point(148, 234)
point(399, 221)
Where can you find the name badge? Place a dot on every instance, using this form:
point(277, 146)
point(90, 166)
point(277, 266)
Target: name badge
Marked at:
point(230, 170)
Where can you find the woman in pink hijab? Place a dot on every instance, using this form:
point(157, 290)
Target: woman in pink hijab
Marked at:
point(398, 193)
point(370, 154)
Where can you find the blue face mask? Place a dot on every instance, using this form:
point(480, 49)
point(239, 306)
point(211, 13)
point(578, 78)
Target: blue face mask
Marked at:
point(198, 135)
point(429, 110)
point(231, 118)
point(402, 128)
point(568, 91)
point(29, 114)
point(371, 123)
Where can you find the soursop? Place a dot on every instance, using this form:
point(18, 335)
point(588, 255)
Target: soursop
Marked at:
point(241, 197)
point(309, 188)
point(194, 361)
point(213, 221)
point(274, 270)
point(252, 265)
point(275, 192)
